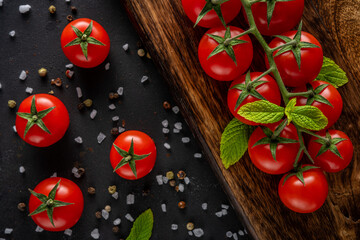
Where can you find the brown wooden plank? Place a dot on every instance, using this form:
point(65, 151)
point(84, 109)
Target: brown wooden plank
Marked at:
point(172, 42)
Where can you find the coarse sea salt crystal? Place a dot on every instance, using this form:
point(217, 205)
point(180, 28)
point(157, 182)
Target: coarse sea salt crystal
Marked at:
point(198, 232)
point(115, 195)
point(70, 74)
point(74, 170)
point(224, 212)
point(165, 123)
point(167, 146)
point(21, 169)
point(117, 222)
point(93, 114)
point(163, 207)
point(176, 109)
point(165, 130)
point(67, 1)
point(115, 118)
point(69, 66)
point(225, 206)
point(120, 91)
point(107, 66)
point(101, 137)
point(174, 227)
point(29, 90)
point(130, 199)
point(23, 75)
point(24, 8)
point(12, 33)
point(235, 236)
point(129, 217)
point(54, 175)
point(178, 125)
point(68, 232)
point(241, 233)
point(181, 187)
point(187, 180)
point(175, 130)
point(159, 180)
point(121, 129)
point(125, 47)
point(185, 140)
point(8, 231)
point(197, 155)
point(0, 86)
point(204, 206)
point(105, 214)
point(219, 214)
point(78, 92)
point(1, 3)
point(95, 233)
point(14, 128)
point(190, 233)
point(38, 229)
point(165, 179)
point(144, 79)
point(79, 140)
point(229, 234)
point(112, 106)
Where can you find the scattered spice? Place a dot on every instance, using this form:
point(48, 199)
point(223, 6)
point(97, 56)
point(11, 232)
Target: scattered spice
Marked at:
point(51, 92)
point(181, 175)
point(111, 95)
point(190, 226)
point(166, 105)
point(170, 175)
point(70, 18)
point(172, 183)
point(81, 171)
point(114, 131)
point(181, 204)
point(112, 189)
point(81, 106)
point(98, 215)
point(177, 188)
point(88, 102)
point(42, 72)
point(91, 190)
point(115, 229)
point(123, 123)
point(148, 55)
point(21, 206)
point(11, 104)
point(52, 9)
point(69, 74)
point(116, 95)
point(57, 82)
point(107, 208)
point(141, 52)
point(73, 9)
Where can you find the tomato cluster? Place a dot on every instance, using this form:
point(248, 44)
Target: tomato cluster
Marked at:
point(225, 54)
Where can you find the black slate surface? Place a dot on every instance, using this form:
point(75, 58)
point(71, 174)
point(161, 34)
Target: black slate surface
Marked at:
point(36, 45)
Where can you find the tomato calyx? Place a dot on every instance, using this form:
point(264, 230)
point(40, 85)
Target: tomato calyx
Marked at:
point(35, 117)
point(273, 138)
point(270, 5)
point(298, 172)
point(83, 39)
point(48, 202)
point(315, 95)
point(129, 157)
point(329, 144)
point(248, 89)
point(212, 5)
point(226, 44)
point(295, 45)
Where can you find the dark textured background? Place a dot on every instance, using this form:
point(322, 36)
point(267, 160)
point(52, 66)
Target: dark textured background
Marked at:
point(36, 45)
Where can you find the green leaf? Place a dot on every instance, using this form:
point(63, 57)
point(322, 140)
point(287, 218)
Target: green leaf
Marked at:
point(332, 73)
point(84, 46)
point(58, 203)
point(45, 112)
point(29, 125)
point(77, 31)
point(142, 227)
point(219, 48)
point(50, 212)
point(132, 165)
point(39, 209)
point(53, 191)
point(120, 164)
point(33, 110)
point(217, 9)
point(230, 51)
point(42, 125)
point(262, 111)
point(139, 157)
point(122, 153)
point(40, 196)
point(217, 38)
point(283, 49)
point(88, 30)
point(94, 41)
point(26, 116)
point(74, 42)
point(234, 142)
point(207, 8)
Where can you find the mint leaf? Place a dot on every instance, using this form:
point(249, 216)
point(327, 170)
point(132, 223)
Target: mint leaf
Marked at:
point(142, 227)
point(332, 73)
point(234, 142)
point(262, 111)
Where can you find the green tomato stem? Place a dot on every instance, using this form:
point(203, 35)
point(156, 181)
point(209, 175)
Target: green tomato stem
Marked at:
point(291, 43)
point(227, 41)
point(279, 129)
point(302, 94)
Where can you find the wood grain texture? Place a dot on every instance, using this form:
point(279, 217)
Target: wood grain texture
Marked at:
point(169, 36)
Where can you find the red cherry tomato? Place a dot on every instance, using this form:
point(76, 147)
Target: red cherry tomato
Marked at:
point(143, 145)
point(261, 156)
point(330, 160)
point(304, 197)
point(64, 217)
point(221, 66)
point(311, 61)
point(229, 9)
point(96, 53)
point(331, 94)
point(284, 18)
point(269, 90)
point(56, 121)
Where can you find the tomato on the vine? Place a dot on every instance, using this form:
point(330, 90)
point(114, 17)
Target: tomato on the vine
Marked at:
point(133, 155)
point(304, 191)
point(211, 13)
point(243, 90)
point(85, 43)
point(299, 63)
point(56, 204)
point(42, 120)
point(333, 154)
point(222, 57)
point(283, 16)
point(274, 155)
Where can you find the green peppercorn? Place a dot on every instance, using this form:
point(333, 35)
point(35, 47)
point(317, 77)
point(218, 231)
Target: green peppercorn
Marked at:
point(52, 9)
point(88, 102)
point(11, 104)
point(112, 189)
point(42, 72)
point(170, 175)
point(91, 190)
point(190, 226)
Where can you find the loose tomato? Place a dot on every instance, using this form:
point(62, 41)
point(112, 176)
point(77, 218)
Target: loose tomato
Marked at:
point(284, 17)
point(304, 196)
point(325, 97)
point(311, 59)
point(230, 9)
point(85, 43)
point(222, 66)
point(56, 204)
point(133, 155)
point(333, 154)
point(263, 150)
point(266, 88)
point(42, 120)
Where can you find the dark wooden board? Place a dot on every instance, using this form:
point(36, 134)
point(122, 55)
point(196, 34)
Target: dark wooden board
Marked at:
point(172, 41)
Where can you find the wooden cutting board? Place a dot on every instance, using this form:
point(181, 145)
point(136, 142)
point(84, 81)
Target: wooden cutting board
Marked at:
point(172, 41)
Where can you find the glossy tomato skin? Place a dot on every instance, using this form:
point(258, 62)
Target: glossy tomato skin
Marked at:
point(328, 161)
point(220, 66)
point(311, 61)
point(285, 17)
point(143, 144)
point(96, 53)
point(64, 217)
point(331, 94)
point(261, 157)
point(304, 198)
point(57, 121)
point(268, 90)
point(229, 11)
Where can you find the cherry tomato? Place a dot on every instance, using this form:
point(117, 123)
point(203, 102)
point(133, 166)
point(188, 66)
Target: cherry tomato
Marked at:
point(330, 93)
point(262, 157)
point(229, 9)
point(311, 61)
point(47, 121)
point(134, 154)
point(304, 197)
point(73, 43)
point(269, 90)
point(333, 155)
point(64, 217)
point(284, 17)
point(221, 66)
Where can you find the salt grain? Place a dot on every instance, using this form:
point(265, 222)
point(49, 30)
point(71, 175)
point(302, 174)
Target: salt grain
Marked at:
point(241, 233)
point(29, 90)
point(159, 180)
point(167, 146)
point(178, 125)
point(130, 199)
point(22, 75)
point(165, 123)
point(38, 229)
point(101, 137)
point(224, 206)
point(181, 187)
point(79, 140)
point(107, 66)
point(176, 109)
point(67, 1)
point(69, 66)
point(117, 222)
point(115, 195)
point(0, 83)
point(21, 169)
point(24, 8)
point(165, 180)
point(12, 33)
point(163, 207)
point(68, 232)
point(8, 231)
point(74, 170)
point(1, 3)
point(185, 140)
point(165, 130)
point(235, 236)
point(95, 233)
point(190, 233)
point(120, 91)
point(93, 114)
point(115, 118)
point(187, 180)
point(219, 214)
point(175, 130)
point(129, 217)
point(112, 106)
point(125, 47)
point(204, 206)
point(79, 92)
point(105, 214)
point(174, 227)
point(144, 79)
point(198, 232)
point(229, 234)
point(121, 129)
point(197, 155)
point(54, 175)
point(224, 212)
point(14, 128)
